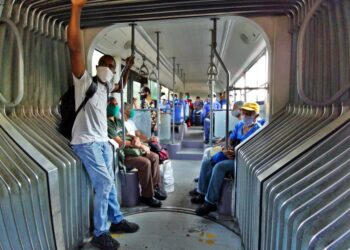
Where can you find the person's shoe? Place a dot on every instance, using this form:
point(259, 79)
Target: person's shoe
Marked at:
point(206, 142)
point(195, 179)
point(159, 195)
point(152, 202)
point(194, 192)
point(124, 227)
point(105, 241)
point(205, 209)
point(199, 199)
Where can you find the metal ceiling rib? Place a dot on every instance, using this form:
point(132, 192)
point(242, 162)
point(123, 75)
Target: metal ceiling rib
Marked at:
point(104, 13)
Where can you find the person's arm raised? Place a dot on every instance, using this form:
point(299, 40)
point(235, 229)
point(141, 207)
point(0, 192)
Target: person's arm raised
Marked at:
point(74, 39)
point(129, 62)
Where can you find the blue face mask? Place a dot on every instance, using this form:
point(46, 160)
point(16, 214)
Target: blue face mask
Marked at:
point(248, 120)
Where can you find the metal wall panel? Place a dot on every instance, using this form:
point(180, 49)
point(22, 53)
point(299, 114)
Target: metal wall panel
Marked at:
point(285, 189)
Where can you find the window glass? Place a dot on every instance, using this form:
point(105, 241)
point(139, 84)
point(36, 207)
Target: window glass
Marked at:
point(136, 87)
point(153, 86)
point(255, 76)
point(95, 57)
point(165, 90)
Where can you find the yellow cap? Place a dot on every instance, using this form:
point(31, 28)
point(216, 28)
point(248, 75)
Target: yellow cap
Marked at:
point(251, 106)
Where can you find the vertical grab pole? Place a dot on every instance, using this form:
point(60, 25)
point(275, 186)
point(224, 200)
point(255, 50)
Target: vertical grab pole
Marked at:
point(173, 137)
point(215, 52)
point(122, 82)
point(211, 83)
point(158, 83)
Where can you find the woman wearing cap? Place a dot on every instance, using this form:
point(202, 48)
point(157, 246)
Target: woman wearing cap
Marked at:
point(213, 170)
point(147, 102)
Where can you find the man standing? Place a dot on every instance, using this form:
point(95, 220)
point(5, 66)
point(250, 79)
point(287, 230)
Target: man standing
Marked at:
point(90, 138)
point(206, 116)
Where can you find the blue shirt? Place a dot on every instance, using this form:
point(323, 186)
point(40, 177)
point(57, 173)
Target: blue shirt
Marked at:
point(164, 107)
point(206, 108)
point(237, 133)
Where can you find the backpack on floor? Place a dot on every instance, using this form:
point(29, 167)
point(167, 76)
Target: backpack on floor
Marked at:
point(67, 108)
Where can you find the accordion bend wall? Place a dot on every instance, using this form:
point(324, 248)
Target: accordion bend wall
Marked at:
point(292, 180)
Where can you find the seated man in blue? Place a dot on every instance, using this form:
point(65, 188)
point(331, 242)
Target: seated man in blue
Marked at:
point(213, 170)
point(206, 115)
point(164, 105)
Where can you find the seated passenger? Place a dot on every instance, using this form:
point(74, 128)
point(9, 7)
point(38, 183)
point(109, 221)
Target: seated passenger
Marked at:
point(146, 164)
point(212, 175)
point(197, 111)
point(237, 116)
point(206, 115)
point(164, 105)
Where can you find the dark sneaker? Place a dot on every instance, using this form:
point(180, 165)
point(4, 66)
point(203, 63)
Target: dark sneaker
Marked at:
point(205, 209)
point(159, 195)
point(105, 241)
point(199, 199)
point(152, 202)
point(206, 142)
point(194, 192)
point(124, 227)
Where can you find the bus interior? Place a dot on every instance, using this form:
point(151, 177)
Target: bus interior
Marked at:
point(290, 188)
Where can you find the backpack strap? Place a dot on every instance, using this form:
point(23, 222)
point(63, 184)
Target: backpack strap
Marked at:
point(90, 93)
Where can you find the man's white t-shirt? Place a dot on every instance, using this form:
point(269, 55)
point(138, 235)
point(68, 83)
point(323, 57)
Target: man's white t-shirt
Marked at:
point(131, 127)
point(91, 122)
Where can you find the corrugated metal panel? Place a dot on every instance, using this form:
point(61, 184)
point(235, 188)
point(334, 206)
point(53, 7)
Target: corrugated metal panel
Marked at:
point(266, 196)
point(104, 13)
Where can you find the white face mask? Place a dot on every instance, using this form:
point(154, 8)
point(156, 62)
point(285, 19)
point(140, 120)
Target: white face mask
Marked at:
point(104, 74)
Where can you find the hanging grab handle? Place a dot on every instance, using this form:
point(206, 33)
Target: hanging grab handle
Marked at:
point(20, 66)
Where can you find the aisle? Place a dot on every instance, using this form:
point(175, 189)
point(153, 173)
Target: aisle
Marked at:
point(175, 226)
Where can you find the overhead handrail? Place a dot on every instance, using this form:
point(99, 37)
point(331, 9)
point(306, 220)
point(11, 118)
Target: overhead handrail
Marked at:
point(20, 93)
point(300, 63)
point(153, 76)
point(143, 71)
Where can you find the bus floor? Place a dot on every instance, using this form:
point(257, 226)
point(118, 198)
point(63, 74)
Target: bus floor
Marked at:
point(175, 225)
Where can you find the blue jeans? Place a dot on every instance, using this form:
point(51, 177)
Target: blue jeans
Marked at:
point(206, 128)
point(97, 158)
point(211, 178)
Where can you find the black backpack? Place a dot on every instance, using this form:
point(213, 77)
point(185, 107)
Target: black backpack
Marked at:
point(67, 108)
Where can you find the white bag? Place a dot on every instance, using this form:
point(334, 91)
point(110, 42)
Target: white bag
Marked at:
point(167, 176)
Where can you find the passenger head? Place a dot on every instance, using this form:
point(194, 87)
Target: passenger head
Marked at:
point(250, 112)
point(145, 92)
point(187, 95)
point(163, 98)
point(129, 112)
point(198, 98)
point(236, 112)
point(112, 108)
point(106, 68)
point(181, 96)
point(214, 97)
